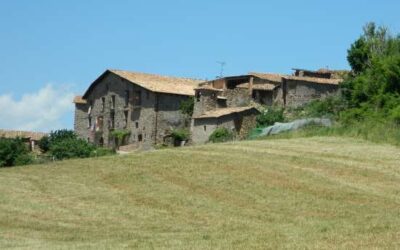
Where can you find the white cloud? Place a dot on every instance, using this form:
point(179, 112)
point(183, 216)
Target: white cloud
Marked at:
point(43, 110)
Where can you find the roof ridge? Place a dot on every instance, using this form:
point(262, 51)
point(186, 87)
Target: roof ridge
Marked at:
point(155, 75)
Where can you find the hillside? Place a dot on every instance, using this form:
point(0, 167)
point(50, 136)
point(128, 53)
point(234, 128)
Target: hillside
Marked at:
point(318, 193)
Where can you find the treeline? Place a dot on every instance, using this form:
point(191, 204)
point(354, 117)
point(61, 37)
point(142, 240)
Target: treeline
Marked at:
point(58, 145)
point(368, 103)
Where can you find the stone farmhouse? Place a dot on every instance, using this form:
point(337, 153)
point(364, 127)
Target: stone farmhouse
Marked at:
point(229, 102)
point(146, 105)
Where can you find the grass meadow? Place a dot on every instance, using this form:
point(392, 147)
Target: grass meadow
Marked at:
point(299, 193)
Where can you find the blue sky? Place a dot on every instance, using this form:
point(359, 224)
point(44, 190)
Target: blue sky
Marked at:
point(53, 49)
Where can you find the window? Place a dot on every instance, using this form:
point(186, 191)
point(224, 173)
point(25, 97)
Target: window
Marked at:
point(126, 118)
point(99, 123)
point(197, 96)
point(205, 128)
point(138, 98)
point(113, 102)
point(103, 104)
point(140, 137)
point(89, 121)
point(126, 98)
point(112, 120)
point(136, 125)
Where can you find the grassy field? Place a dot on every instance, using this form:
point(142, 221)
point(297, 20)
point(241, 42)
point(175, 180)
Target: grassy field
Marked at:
point(301, 193)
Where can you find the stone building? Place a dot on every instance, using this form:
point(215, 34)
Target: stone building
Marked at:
point(228, 101)
point(228, 108)
point(146, 105)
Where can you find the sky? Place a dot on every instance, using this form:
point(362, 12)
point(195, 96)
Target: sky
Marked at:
point(53, 50)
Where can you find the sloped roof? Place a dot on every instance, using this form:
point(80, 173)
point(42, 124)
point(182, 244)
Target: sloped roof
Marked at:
point(160, 84)
point(314, 80)
point(22, 134)
point(207, 87)
point(153, 82)
point(260, 86)
point(223, 111)
point(79, 100)
point(268, 76)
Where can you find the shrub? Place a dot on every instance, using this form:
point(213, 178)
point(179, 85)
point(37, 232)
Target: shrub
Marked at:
point(119, 136)
point(71, 148)
point(180, 134)
point(13, 152)
point(187, 106)
point(269, 117)
point(44, 144)
point(221, 135)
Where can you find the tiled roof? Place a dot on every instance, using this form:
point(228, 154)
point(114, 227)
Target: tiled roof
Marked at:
point(268, 76)
point(160, 84)
point(207, 87)
point(314, 80)
point(259, 86)
point(79, 100)
point(22, 134)
point(223, 111)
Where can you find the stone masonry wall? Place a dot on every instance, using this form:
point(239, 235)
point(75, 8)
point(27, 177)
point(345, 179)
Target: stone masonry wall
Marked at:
point(141, 119)
point(299, 93)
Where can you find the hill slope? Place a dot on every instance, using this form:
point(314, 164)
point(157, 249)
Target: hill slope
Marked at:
point(318, 193)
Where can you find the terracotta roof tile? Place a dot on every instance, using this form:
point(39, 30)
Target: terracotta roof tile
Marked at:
point(79, 100)
point(223, 111)
point(160, 84)
point(314, 80)
point(268, 76)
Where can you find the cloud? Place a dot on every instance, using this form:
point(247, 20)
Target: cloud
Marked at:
point(47, 109)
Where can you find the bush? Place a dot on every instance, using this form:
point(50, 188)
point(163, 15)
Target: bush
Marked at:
point(119, 136)
point(187, 106)
point(13, 152)
point(269, 117)
point(71, 148)
point(221, 135)
point(44, 144)
point(180, 134)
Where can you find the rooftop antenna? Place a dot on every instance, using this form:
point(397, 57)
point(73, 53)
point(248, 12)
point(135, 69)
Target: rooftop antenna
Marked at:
point(222, 64)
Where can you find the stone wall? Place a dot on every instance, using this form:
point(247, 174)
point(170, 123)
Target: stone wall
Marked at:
point(205, 100)
point(239, 123)
point(138, 118)
point(238, 97)
point(299, 93)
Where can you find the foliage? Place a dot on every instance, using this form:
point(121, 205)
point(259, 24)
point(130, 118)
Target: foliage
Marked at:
point(221, 134)
point(180, 134)
point(71, 148)
point(187, 106)
point(270, 116)
point(13, 152)
point(44, 143)
point(119, 136)
point(100, 151)
point(375, 85)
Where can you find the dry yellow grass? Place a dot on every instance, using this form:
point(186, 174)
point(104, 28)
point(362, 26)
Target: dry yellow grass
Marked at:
point(304, 193)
